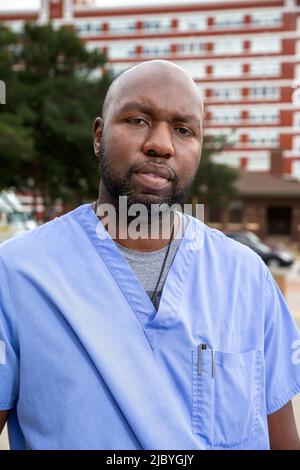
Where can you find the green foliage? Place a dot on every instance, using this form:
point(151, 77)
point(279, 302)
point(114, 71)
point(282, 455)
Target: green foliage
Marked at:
point(17, 150)
point(52, 100)
point(8, 42)
point(47, 53)
point(46, 125)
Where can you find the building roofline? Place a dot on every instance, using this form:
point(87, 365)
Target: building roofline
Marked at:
point(175, 7)
point(274, 195)
point(19, 14)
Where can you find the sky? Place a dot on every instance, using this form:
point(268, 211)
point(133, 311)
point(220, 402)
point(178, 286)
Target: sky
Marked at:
point(33, 4)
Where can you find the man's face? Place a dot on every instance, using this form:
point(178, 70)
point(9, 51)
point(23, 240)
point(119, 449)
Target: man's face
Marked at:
point(151, 139)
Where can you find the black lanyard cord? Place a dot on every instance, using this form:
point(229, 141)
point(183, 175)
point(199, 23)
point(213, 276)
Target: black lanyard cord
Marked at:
point(163, 265)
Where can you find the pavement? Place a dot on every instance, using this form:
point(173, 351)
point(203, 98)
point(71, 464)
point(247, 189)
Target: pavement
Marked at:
point(292, 296)
point(290, 286)
point(292, 293)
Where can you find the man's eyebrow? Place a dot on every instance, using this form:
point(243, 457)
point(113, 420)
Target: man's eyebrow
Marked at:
point(187, 118)
point(135, 107)
point(191, 118)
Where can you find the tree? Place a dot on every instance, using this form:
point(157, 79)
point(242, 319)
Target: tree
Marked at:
point(214, 182)
point(16, 150)
point(46, 125)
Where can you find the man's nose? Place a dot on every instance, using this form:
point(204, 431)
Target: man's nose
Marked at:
point(159, 141)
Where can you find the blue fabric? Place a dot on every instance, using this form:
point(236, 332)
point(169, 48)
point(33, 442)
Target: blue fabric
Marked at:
point(88, 363)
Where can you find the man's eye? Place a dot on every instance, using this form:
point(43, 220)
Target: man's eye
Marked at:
point(135, 121)
point(184, 131)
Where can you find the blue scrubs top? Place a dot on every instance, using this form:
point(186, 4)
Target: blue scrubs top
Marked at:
point(86, 362)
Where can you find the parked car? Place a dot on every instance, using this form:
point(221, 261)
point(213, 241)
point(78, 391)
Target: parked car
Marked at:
point(13, 218)
point(272, 255)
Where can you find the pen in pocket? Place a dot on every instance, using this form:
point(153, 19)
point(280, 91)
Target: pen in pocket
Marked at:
point(202, 347)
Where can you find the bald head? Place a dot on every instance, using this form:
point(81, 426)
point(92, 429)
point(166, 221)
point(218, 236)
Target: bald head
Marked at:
point(151, 73)
point(152, 116)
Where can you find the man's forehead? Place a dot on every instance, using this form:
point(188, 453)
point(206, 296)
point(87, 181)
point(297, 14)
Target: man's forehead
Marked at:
point(153, 105)
point(156, 80)
point(155, 95)
point(162, 82)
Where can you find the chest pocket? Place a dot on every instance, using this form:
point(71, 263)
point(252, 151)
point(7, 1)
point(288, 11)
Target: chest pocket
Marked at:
point(226, 396)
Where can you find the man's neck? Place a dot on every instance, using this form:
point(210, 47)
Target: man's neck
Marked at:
point(154, 240)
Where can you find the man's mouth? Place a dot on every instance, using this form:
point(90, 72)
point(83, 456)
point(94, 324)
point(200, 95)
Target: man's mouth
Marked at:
point(152, 181)
point(153, 177)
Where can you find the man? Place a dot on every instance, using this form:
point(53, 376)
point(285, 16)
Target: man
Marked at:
point(113, 340)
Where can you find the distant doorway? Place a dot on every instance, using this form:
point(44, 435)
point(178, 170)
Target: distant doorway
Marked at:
point(279, 220)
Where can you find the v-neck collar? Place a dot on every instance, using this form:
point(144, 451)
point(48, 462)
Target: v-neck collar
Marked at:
point(154, 322)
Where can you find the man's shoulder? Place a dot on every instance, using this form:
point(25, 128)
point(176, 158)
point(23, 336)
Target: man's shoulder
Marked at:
point(216, 241)
point(29, 244)
point(28, 240)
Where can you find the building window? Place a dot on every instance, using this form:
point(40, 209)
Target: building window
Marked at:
point(228, 20)
point(88, 28)
point(157, 24)
point(157, 49)
point(227, 69)
point(296, 143)
point(122, 26)
point(192, 23)
point(263, 45)
point(267, 116)
point(227, 158)
point(235, 211)
point(226, 94)
point(265, 68)
point(191, 48)
point(225, 116)
point(266, 18)
point(264, 92)
point(228, 46)
point(296, 97)
point(297, 120)
point(151, 25)
point(296, 169)
point(258, 163)
point(263, 138)
point(121, 51)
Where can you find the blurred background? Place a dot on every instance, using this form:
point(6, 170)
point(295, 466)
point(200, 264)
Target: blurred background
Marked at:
point(57, 59)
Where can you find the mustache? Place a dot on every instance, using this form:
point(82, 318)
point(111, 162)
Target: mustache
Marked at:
point(155, 167)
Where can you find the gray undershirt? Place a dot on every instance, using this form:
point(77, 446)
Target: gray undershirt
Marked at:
point(147, 265)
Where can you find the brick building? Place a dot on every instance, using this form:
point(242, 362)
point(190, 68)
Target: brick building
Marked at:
point(245, 55)
point(267, 203)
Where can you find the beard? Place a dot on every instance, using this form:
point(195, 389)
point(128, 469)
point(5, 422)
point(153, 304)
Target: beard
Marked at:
point(120, 185)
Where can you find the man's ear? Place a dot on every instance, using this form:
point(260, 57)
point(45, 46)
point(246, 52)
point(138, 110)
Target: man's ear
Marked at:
point(98, 128)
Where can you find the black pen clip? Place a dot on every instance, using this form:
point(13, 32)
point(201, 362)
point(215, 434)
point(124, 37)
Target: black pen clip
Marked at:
point(202, 347)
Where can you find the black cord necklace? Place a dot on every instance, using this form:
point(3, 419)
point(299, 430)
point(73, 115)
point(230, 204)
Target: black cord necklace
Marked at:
point(163, 266)
point(94, 205)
